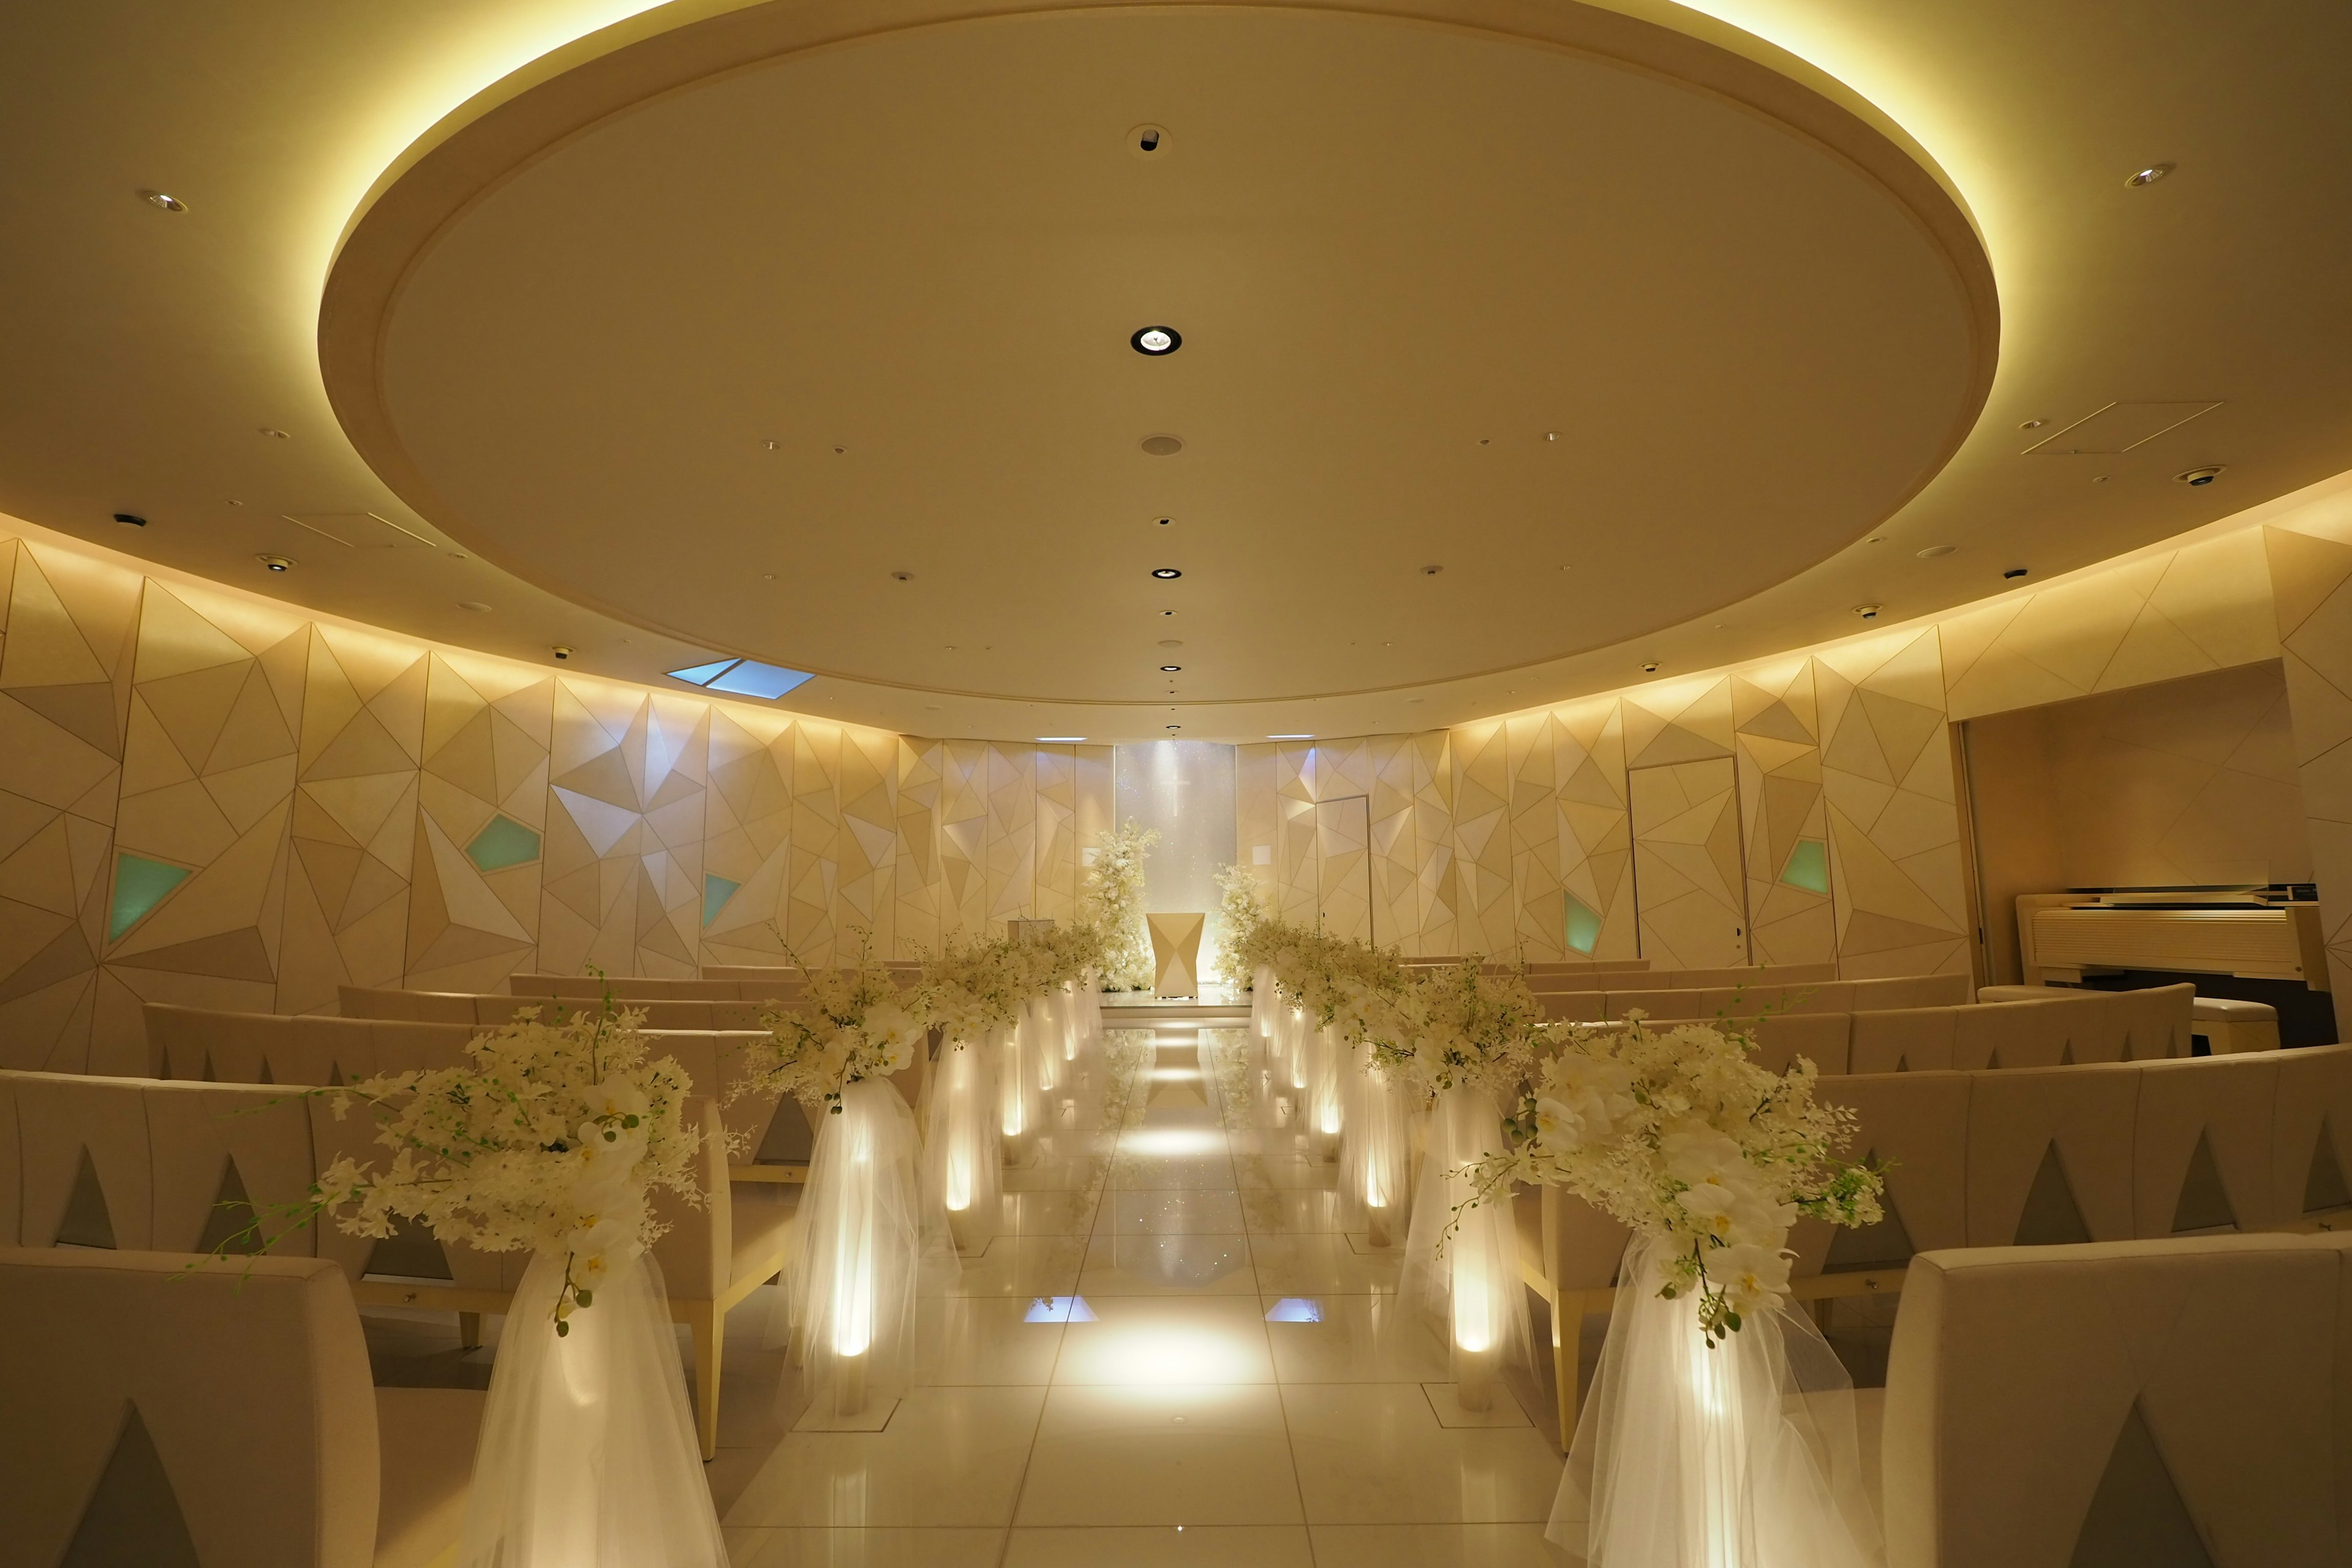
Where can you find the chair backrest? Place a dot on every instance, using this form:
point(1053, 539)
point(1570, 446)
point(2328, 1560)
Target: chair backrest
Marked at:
point(2201, 1135)
point(1781, 1038)
point(1749, 974)
point(1912, 990)
point(223, 1156)
point(86, 1170)
point(1904, 1039)
point(1914, 1124)
point(245, 1382)
point(2311, 1132)
point(696, 1253)
point(2148, 1402)
point(2049, 1154)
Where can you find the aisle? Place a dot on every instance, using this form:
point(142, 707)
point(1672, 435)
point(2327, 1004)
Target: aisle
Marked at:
point(1168, 1354)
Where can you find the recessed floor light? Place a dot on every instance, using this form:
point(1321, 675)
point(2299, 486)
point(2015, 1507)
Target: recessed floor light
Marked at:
point(165, 201)
point(1156, 341)
point(2149, 176)
point(1165, 572)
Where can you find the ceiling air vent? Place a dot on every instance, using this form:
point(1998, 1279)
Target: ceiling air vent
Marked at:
point(359, 529)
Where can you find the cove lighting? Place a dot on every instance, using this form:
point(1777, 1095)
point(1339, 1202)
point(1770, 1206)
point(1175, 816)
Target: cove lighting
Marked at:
point(1059, 740)
point(743, 677)
point(1290, 737)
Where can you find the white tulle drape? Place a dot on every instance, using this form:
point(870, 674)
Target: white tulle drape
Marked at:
point(961, 1133)
point(872, 1240)
point(1327, 1111)
point(588, 1457)
point(1020, 1104)
point(1739, 1457)
point(1376, 1153)
point(1461, 1258)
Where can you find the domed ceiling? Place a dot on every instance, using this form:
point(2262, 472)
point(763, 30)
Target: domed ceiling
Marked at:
point(1485, 352)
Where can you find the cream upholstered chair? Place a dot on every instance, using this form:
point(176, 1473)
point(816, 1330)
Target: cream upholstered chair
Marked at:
point(224, 1415)
point(2049, 1154)
point(1903, 1040)
point(2311, 1133)
point(1917, 1125)
point(86, 1168)
point(1580, 1007)
point(2146, 1403)
point(2201, 1155)
point(1781, 1038)
point(223, 1156)
point(2011, 1034)
point(1913, 991)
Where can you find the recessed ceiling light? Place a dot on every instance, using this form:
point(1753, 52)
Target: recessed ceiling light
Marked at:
point(1146, 140)
point(902, 576)
point(1157, 340)
point(1162, 446)
point(1431, 571)
point(1167, 611)
point(1165, 572)
point(2204, 475)
point(164, 200)
point(132, 517)
point(2014, 571)
point(275, 434)
point(1175, 726)
point(1170, 669)
point(1552, 434)
point(1166, 520)
point(2033, 424)
point(1059, 740)
point(2149, 176)
point(275, 563)
point(1937, 551)
point(1650, 667)
point(478, 608)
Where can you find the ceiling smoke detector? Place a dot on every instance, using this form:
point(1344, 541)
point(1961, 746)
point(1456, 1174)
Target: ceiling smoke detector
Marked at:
point(2204, 475)
point(275, 563)
point(562, 652)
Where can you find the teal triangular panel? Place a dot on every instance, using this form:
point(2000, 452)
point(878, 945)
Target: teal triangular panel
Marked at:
point(715, 891)
point(139, 884)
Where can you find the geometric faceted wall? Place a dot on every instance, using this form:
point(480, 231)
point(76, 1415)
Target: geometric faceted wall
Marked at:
point(208, 799)
point(1847, 837)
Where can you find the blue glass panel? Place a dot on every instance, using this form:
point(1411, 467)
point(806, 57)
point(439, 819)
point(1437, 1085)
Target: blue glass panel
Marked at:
point(502, 842)
point(139, 884)
point(752, 679)
point(1808, 865)
point(702, 674)
point(1583, 927)
point(715, 891)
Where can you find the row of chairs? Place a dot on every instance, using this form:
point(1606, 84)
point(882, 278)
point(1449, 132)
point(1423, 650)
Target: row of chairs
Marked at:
point(496, 1007)
point(2061, 1031)
point(197, 1044)
point(2177, 1401)
point(2104, 1151)
point(1746, 1000)
point(146, 1165)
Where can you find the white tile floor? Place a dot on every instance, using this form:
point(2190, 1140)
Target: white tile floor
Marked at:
point(1173, 1424)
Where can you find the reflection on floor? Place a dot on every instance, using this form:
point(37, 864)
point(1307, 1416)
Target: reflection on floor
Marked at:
point(1169, 1353)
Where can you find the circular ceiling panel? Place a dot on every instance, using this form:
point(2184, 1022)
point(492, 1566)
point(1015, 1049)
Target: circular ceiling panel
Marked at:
point(1612, 350)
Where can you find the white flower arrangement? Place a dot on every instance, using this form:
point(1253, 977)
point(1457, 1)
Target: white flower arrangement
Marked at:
point(1113, 903)
point(1241, 907)
point(1456, 1027)
point(551, 1141)
point(1679, 1135)
point(1324, 974)
point(848, 1026)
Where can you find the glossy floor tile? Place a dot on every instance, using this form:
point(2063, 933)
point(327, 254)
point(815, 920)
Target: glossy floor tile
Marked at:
point(1175, 1453)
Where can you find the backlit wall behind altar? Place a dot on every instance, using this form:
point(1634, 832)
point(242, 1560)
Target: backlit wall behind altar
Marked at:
point(206, 797)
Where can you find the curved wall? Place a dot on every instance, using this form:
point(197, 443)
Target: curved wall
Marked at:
point(206, 797)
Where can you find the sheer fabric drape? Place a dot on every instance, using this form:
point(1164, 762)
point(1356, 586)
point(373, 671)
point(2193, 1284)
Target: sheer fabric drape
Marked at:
point(1461, 1258)
point(871, 1241)
point(1739, 1457)
point(962, 1159)
point(588, 1457)
point(1376, 1155)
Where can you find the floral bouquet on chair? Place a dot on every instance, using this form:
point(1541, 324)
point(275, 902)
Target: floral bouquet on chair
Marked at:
point(552, 1139)
point(1721, 1425)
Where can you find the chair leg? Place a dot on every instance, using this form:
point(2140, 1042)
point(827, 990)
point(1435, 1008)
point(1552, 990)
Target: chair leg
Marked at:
point(469, 1331)
point(709, 1338)
point(1567, 1343)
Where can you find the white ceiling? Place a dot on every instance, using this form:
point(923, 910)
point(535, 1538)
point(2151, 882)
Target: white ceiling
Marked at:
point(1383, 242)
